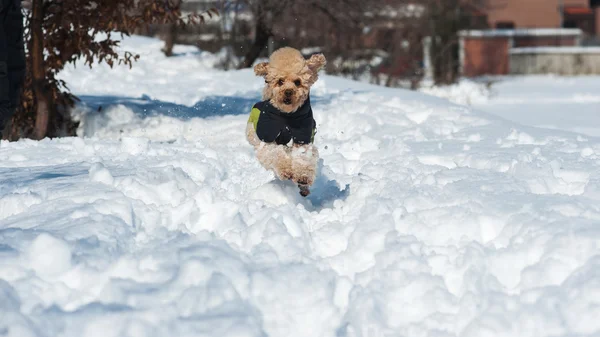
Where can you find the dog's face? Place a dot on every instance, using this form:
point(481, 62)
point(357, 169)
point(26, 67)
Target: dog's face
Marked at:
point(288, 92)
point(288, 78)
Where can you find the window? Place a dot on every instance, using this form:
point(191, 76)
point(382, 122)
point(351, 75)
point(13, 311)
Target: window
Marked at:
point(570, 24)
point(594, 3)
point(505, 25)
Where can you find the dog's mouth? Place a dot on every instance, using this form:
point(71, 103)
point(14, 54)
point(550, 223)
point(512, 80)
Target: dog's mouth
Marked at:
point(287, 101)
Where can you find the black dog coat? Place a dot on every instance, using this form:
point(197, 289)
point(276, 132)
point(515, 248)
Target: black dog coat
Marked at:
point(272, 125)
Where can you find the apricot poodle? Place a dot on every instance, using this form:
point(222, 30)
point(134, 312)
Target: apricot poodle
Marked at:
point(281, 127)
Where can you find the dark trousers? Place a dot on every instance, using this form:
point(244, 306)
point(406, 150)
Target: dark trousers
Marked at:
point(12, 58)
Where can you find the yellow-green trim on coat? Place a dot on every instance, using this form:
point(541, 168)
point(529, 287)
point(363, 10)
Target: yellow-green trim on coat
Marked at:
point(254, 115)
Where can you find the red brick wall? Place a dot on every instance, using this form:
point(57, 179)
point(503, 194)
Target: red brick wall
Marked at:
point(537, 41)
point(485, 56)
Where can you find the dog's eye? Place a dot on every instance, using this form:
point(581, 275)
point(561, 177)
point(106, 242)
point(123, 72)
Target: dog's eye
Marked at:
point(297, 83)
point(280, 82)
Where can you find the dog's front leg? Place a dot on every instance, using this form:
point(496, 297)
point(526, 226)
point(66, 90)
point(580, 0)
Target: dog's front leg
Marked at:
point(251, 136)
point(276, 158)
point(271, 156)
point(304, 166)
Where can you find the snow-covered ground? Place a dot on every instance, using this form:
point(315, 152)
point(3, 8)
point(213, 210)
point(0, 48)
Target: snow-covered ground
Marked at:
point(554, 102)
point(428, 218)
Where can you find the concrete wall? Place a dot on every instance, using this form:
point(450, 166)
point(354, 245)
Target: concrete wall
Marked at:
point(560, 60)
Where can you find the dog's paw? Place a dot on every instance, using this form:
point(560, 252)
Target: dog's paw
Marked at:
point(285, 175)
point(304, 190)
point(304, 180)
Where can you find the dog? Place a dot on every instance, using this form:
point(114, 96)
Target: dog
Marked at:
point(281, 127)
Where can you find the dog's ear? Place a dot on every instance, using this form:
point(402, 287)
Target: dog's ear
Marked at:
point(316, 62)
point(261, 69)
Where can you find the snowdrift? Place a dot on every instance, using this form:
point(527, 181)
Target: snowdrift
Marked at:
point(428, 218)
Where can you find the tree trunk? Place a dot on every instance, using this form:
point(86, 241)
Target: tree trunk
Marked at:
point(232, 41)
point(171, 36)
point(261, 41)
point(390, 81)
point(171, 33)
point(38, 70)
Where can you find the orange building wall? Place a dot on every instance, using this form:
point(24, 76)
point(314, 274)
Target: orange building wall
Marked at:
point(529, 13)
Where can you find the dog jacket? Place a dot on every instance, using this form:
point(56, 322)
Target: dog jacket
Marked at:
point(272, 125)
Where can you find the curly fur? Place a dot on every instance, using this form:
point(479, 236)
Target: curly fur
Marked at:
point(288, 78)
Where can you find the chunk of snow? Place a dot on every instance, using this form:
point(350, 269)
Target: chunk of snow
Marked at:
point(49, 256)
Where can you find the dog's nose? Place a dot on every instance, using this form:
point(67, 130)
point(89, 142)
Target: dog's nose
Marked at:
point(289, 92)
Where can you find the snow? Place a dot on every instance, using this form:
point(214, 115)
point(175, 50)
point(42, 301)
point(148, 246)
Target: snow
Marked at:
point(522, 32)
point(546, 101)
point(428, 218)
point(465, 92)
point(395, 11)
point(555, 50)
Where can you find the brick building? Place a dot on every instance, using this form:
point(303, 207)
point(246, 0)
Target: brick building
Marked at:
point(582, 14)
point(527, 23)
point(487, 52)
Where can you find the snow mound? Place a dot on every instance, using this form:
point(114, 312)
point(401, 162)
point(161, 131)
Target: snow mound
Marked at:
point(427, 218)
point(465, 92)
